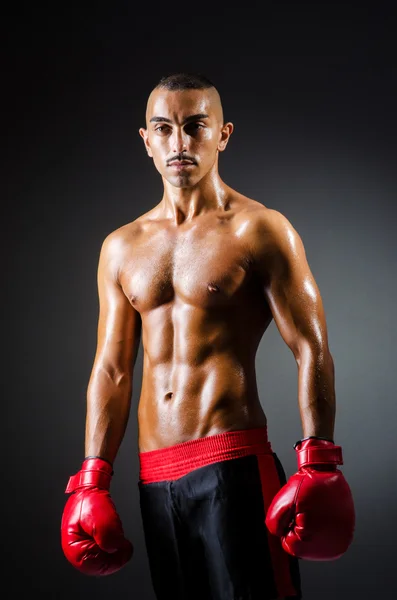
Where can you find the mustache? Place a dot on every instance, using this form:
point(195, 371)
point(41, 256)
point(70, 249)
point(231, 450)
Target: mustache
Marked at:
point(181, 156)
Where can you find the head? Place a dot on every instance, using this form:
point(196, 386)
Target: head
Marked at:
point(185, 130)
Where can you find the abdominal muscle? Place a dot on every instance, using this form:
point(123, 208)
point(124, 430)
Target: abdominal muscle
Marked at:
point(183, 400)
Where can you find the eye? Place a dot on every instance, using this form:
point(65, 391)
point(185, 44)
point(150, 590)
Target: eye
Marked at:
point(161, 128)
point(193, 128)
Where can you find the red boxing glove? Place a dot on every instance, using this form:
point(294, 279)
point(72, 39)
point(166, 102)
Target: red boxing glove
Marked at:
point(313, 512)
point(91, 531)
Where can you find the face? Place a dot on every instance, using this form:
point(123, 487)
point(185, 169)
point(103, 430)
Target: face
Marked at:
point(185, 132)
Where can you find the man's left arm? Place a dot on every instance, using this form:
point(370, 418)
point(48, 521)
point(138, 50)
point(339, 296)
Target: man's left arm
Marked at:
point(313, 512)
point(297, 308)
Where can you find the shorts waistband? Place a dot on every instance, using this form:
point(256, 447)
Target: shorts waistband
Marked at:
point(173, 462)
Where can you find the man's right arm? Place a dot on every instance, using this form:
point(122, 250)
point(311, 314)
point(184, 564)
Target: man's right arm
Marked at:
point(118, 336)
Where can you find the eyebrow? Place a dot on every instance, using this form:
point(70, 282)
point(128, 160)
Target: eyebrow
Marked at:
point(187, 120)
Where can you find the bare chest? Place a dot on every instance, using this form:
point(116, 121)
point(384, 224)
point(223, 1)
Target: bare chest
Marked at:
point(202, 268)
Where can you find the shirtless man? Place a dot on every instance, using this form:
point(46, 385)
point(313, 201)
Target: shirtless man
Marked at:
point(201, 276)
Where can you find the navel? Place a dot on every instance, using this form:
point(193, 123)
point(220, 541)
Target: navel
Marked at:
point(211, 287)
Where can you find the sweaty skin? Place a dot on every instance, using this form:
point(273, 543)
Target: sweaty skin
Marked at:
point(198, 279)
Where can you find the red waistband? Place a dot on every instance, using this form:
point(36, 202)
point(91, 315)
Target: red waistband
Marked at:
point(175, 461)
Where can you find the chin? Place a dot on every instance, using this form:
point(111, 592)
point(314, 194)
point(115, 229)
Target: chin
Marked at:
point(183, 181)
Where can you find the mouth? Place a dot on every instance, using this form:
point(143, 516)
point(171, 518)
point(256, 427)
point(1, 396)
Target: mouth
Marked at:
point(181, 164)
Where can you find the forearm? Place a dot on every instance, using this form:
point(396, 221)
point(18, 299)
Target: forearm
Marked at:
point(316, 393)
point(108, 408)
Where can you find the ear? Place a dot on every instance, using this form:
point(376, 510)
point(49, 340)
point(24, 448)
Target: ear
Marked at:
point(145, 136)
point(225, 134)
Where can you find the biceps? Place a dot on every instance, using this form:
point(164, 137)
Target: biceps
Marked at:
point(298, 311)
point(119, 330)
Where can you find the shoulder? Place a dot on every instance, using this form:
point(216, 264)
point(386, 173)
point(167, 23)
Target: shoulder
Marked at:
point(131, 234)
point(276, 249)
point(274, 225)
point(259, 215)
point(268, 231)
point(124, 236)
point(267, 220)
point(115, 246)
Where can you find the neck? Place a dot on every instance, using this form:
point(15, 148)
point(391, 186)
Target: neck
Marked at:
point(184, 204)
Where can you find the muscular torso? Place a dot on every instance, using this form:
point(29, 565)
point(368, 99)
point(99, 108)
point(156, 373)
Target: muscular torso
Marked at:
point(203, 315)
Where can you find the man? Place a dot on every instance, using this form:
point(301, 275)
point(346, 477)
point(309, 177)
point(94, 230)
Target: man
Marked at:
point(201, 276)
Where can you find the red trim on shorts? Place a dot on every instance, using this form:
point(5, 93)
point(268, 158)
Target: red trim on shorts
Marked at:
point(175, 461)
point(281, 569)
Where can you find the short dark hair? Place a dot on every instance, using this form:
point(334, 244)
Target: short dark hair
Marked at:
point(185, 81)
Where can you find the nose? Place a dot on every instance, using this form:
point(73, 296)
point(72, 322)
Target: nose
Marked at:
point(179, 141)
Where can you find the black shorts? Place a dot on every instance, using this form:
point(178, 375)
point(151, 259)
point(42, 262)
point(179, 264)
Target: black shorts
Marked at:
point(203, 506)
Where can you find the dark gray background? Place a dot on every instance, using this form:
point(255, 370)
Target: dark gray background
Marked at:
point(312, 93)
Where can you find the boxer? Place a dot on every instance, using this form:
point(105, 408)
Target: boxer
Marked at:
point(199, 278)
